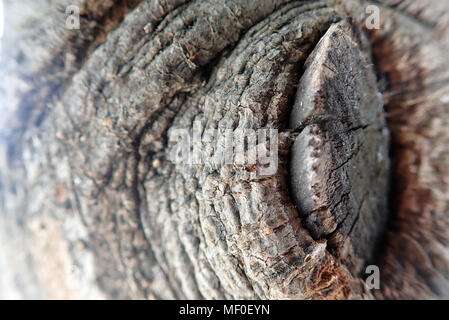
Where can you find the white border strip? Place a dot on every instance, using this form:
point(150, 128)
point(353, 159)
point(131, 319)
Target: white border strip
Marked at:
point(1, 19)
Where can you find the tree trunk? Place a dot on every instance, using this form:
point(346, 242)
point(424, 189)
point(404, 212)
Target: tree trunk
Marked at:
point(98, 198)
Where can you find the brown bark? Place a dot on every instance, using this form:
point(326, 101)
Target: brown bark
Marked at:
point(93, 203)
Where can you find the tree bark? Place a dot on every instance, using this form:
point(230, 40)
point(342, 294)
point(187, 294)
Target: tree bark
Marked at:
point(95, 204)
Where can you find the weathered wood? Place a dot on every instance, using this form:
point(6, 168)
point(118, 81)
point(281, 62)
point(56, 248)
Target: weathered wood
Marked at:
point(411, 50)
point(340, 162)
point(94, 204)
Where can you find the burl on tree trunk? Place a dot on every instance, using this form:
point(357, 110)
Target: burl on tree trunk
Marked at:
point(95, 204)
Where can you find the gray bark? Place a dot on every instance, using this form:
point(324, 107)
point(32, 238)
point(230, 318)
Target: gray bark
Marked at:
point(94, 205)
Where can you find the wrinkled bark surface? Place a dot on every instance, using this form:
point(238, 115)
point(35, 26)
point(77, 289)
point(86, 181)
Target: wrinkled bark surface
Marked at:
point(93, 203)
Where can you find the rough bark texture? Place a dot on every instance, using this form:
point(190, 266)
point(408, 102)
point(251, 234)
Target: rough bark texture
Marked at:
point(94, 205)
